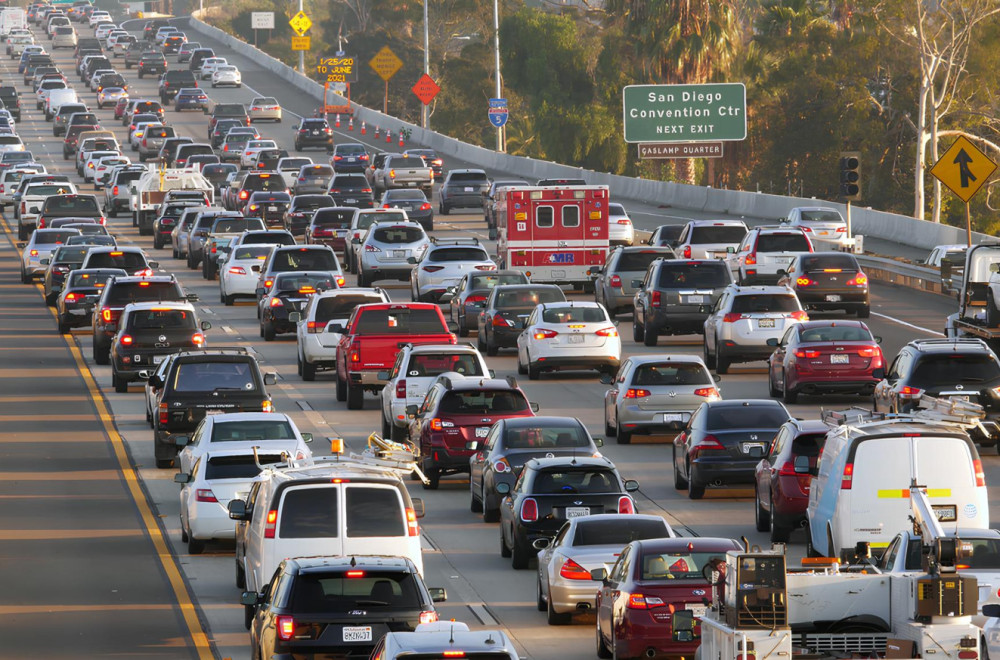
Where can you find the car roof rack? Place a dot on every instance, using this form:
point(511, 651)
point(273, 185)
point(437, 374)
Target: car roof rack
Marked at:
point(381, 453)
point(930, 410)
point(226, 350)
point(468, 240)
point(951, 341)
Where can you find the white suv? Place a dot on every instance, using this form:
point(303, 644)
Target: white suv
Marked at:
point(444, 264)
point(823, 224)
point(744, 322)
point(415, 370)
point(709, 239)
point(764, 252)
point(321, 324)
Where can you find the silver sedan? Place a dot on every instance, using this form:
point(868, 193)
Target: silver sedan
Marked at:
point(583, 544)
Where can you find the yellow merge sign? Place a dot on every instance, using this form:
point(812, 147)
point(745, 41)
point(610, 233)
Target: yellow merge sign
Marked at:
point(964, 169)
point(385, 63)
point(300, 23)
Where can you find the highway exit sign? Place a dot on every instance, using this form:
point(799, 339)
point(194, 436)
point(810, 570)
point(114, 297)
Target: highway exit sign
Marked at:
point(713, 112)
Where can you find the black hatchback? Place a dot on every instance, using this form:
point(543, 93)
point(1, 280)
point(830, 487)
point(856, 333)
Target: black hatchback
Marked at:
point(337, 606)
point(351, 190)
point(506, 311)
point(828, 280)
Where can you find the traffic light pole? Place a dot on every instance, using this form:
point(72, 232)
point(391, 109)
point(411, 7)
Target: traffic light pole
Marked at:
point(850, 232)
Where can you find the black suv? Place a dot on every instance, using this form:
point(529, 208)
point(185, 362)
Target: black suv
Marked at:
point(342, 606)
point(200, 383)
point(120, 291)
point(549, 492)
point(314, 133)
point(828, 280)
point(152, 62)
point(149, 332)
point(172, 81)
point(963, 369)
point(676, 297)
point(506, 311)
point(11, 101)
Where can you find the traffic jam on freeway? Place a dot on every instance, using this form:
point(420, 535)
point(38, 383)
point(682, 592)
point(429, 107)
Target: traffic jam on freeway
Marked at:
point(317, 353)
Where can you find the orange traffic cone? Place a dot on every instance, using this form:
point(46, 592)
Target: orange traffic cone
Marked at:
point(337, 124)
point(401, 138)
point(364, 129)
point(388, 137)
point(350, 123)
point(377, 129)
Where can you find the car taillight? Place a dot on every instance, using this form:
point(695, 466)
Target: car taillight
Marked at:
point(545, 334)
point(910, 392)
point(438, 424)
point(529, 510)
point(356, 352)
point(237, 270)
point(314, 327)
point(276, 302)
point(845, 481)
point(841, 230)
point(267, 406)
point(163, 414)
point(392, 174)
point(197, 339)
point(285, 626)
point(641, 602)
point(244, 194)
point(432, 269)
point(686, 252)
point(573, 571)
point(868, 352)
point(204, 495)
point(71, 297)
point(372, 248)
point(401, 389)
point(655, 299)
point(806, 354)
point(127, 340)
point(624, 221)
point(732, 317)
point(412, 526)
point(270, 523)
point(502, 466)
point(607, 332)
point(751, 259)
point(804, 281)
point(709, 442)
point(626, 505)
point(977, 466)
point(858, 280)
point(799, 315)
point(709, 392)
point(430, 616)
point(636, 393)
point(106, 315)
point(616, 282)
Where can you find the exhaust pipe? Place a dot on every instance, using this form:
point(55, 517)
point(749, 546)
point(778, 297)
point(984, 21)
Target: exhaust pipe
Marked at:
point(650, 652)
point(716, 483)
point(582, 607)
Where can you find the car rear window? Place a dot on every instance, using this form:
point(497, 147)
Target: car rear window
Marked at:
point(96, 280)
point(52, 237)
point(252, 431)
point(671, 373)
point(708, 275)
point(476, 402)
point(953, 367)
point(617, 532)
point(81, 205)
point(209, 376)
point(790, 242)
point(467, 177)
point(70, 255)
point(835, 333)
point(339, 307)
point(435, 364)
point(141, 291)
point(310, 513)
point(312, 202)
point(270, 183)
point(129, 261)
point(490, 281)
point(161, 319)
point(365, 220)
point(764, 303)
point(574, 315)
point(401, 321)
point(332, 218)
point(233, 225)
point(549, 437)
point(305, 284)
point(374, 511)
point(639, 261)
point(824, 261)
point(721, 418)
point(821, 217)
point(47, 190)
point(350, 149)
point(684, 565)
point(252, 252)
point(341, 591)
point(566, 482)
point(304, 259)
point(707, 234)
point(398, 235)
point(459, 254)
point(349, 181)
point(320, 171)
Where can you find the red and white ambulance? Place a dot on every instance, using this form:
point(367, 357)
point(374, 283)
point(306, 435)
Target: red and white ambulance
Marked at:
point(555, 234)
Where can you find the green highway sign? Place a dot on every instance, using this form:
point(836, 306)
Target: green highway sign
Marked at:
point(711, 112)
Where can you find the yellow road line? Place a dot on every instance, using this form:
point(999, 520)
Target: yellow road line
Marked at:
point(128, 473)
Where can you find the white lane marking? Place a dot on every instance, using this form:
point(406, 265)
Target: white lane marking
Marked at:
point(229, 330)
point(908, 325)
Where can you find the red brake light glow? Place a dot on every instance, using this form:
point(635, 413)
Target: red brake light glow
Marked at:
point(635, 393)
point(573, 571)
point(529, 510)
point(270, 523)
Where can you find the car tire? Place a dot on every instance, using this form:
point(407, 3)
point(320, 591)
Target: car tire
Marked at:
point(50, 299)
point(709, 358)
point(101, 354)
point(788, 395)
point(308, 371)
point(64, 327)
point(555, 618)
point(355, 397)
point(779, 533)
point(164, 463)
point(475, 506)
point(695, 492)
point(772, 391)
point(602, 650)
point(443, 209)
point(721, 362)
point(492, 350)
point(638, 331)
point(504, 550)
point(398, 434)
point(521, 370)
point(195, 546)
point(610, 431)
point(540, 602)
point(386, 427)
point(865, 311)
point(650, 337)
point(463, 330)
point(761, 519)
point(241, 576)
point(362, 280)
point(519, 556)
point(534, 371)
point(680, 483)
point(433, 478)
point(120, 384)
point(623, 437)
point(480, 341)
point(157, 242)
point(267, 330)
point(229, 300)
point(341, 389)
point(249, 611)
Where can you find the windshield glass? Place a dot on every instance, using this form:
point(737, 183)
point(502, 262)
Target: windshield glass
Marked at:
point(490, 281)
point(210, 376)
point(570, 436)
point(161, 319)
point(717, 234)
point(483, 402)
point(401, 321)
point(365, 220)
point(617, 532)
point(569, 482)
point(341, 306)
point(252, 431)
point(698, 275)
point(528, 297)
point(947, 368)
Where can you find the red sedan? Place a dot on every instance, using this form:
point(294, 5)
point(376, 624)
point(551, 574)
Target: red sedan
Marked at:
point(819, 357)
point(783, 478)
point(652, 583)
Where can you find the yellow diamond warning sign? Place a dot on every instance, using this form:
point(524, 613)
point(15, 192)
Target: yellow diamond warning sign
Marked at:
point(385, 63)
point(300, 23)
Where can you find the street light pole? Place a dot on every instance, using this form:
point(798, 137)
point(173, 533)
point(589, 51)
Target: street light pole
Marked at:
point(302, 54)
point(496, 57)
point(425, 114)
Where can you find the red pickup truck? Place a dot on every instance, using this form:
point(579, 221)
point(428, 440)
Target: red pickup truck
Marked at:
point(372, 339)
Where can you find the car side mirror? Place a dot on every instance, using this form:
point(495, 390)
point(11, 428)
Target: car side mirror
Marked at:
point(306, 437)
point(878, 340)
point(155, 381)
point(294, 317)
point(382, 375)
point(205, 325)
point(598, 442)
point(730, 250)
point(356, 241)
point(237, 509)
point(250, 598)
point(492, 373)
point(144, 375)
point(419, 510)
point(599, 574)
point(541, 544)
point(45, 262)
point(411, 260)
point(411, 410)
point(801, 465)
point(631, 485)
point(717, 378)
point(991, 610)
point(181, 440)
point(782, 272)
point(772, 341)
point(533, 406)
point(446, 297)
point(878, 373)
point(182, 478)
point(153, 264)
point(503, 488)
point(438, 594)
point(607, 378)
point(192, 297)
point(270, 378)
point(21, 246)
point(636, 284)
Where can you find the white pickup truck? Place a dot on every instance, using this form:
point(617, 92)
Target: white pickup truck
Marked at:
point(147, 193)
point(33, 199)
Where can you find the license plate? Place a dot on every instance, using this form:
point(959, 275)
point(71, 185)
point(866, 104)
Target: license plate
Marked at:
point(576, 339)
point(209, 413)
point(750, 446)
point(782, 260)
point(839, 359)
point(823, 233)
point(351, 201)
point(765, 323)
point(959, 398)
point(482, 431)
point(351, 160)
point(399, 253)
point(946, 512)
point(357, 633)
point(468, 189)
point(672, 417)
point(833, 298)
point(577, 511)
point(315, 132)
point(272, 208)
point(697, 300)
point(696, 610)
point(157, 359)
point(340, 232)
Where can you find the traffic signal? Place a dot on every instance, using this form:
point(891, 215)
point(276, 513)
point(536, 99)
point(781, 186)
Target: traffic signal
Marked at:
point(850, 175)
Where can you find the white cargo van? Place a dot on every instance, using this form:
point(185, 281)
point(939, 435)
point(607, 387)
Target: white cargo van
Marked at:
point(335, 506)
point(869, 462)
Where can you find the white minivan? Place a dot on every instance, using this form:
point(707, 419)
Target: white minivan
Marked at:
point(336, 506)
point(861, 491)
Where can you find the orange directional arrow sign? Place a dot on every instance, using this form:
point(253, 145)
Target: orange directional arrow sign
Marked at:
point(964, 169)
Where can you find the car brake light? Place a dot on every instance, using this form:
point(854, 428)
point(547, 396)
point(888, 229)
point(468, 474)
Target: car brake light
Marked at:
point(709, 392)
point(807, 354)
point(314, 327)
point(732, 317)
point(270, 523)
point(640, 602)
point(841, 230)
point(197, 339)
point(858, 280)
point(438, 424)
point(432, 269)
point(71, 297)
point(977, 466)
point(237, 270)
point(616, 282)
point(607, 332)
point(412, 527)
point(127, 340)
point(709, 442)
point(625, 505)
point(845, 481)
point(204, 495)
point(356, 352)
point(529, 510)
point(545, 334)
point(804, 281)
point(573, 571)
point(106, 314)
point(425, 206)
point(276, 302)
point(868, 352)
point(244, 194)
point(285, 627)
point(429, 616)
point(655, 301)
point(501, 322)
point(372, 248)
point(910, 392)
point(475, 299)
point(502, 466)
point(686, 252)
point(751, 259)
point(401, 389)
point(799, 315)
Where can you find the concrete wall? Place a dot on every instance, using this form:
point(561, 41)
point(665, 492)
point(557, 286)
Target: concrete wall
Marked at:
point(878, 224)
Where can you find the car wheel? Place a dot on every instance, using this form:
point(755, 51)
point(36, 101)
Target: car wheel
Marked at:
point(248, 613)
point(101, 354)
point(157, 242)
point(397, 433)
point(504, 550)
point(355, 397)
point(603, 651)
point(341, 389)
point(119, 383)
point(771, 389)
point(50, 299)
point(520, 365)
point(519, 556)
point(480, 341)
point(433, 478)
point(638, 331)
point(241, 576)
point(444, 210)
point(555, 618)
point(709, 358)
point(788, 395)
point(164, 463)
point(760, 518)
point(695, 492)
point(779, 534)
point(721, 361)
point(463, 330)
point(195, 546)
point(267, 330)
point(865, 311)
point(621, 436)
point(386, 427)
point(650, 337)
point(63, 327)
point(540, 603)
point(492, 350)
point(680, 483)
point(308, 371)
point(609, 430)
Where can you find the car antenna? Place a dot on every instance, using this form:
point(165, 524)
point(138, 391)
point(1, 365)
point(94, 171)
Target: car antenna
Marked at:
point(354, 561)
point(451, 639)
